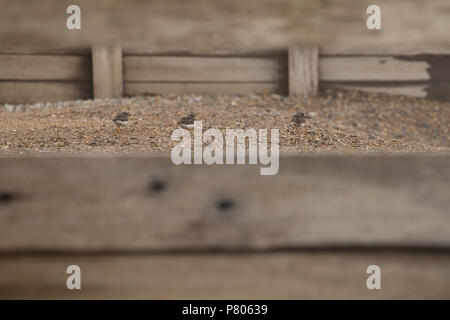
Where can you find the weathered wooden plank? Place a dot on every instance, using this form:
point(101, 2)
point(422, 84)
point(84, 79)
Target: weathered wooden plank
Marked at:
point(144, 50)
point(136, 88)
point(303, 70)
point(292, 275)
point(39, 50)
point(162, 24)
point(107, 71)
point(413, 90)
point(403, 28)
point(383, 68)
point(375, 48)
point(43, 91)
point(224, 24)
point(108, 203)
point(217, 69)
point(45, 67)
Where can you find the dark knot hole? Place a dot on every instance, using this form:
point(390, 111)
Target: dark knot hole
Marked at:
point(7, 197)
point(157, 186)
point(225, 205)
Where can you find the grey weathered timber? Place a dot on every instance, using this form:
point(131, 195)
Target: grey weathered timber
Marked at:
point(273, 275)
point(413, 90)
point(382, 69)
point(139, 88)
point(98, 203)
point(421, 75)
point(204, 69)
point(28, 78)
point(303, 69)
point(372, 48)
point(107, 71)
point(45, 67)
point(205, 74)
point(43, 91)
point(210, 26)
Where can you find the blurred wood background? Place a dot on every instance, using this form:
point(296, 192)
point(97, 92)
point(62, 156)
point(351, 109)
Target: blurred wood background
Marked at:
point(222, 26)
point(224, 46)
point(28, 78)
point(141, 227)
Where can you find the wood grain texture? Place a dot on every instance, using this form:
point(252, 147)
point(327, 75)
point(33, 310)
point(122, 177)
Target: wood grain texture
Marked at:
point(215, 69)
point(293, 275)
point(413, 90)
point(107, 71)
point(161, 24)
point(208, 26)
point(93, 204)
point(43, 91)
point(343, 48)
point(372, 69)
point(138, 88)
point(45, 67)
point(303, 65)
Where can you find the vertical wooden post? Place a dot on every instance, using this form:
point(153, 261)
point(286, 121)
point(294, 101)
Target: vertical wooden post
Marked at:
point(303, 68)
point(107, 71)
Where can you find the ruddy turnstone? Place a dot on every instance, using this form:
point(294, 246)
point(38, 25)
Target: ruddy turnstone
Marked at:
point(298, 120)
point(187, 122)
point(121, 119)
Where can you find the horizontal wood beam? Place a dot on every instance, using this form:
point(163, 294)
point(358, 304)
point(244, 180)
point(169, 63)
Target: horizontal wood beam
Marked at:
point(92, 204)
point(413, 90)
point(210, 26)
point(372, 69)
point(18, 92)
point(45, 67)
point(291, 275)
point(137, 88)
point(207, 69)
point(375, 48)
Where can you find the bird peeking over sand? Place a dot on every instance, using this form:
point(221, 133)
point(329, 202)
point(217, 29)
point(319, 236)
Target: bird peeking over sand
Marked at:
point(121, 119)
point(298, 120)
point(187, 122)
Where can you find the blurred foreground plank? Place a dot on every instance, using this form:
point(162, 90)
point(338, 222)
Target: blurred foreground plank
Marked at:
point(147, 203)
point(278, 275)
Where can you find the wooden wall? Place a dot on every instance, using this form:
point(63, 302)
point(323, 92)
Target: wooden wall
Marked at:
point(205, 74)
point(27, 78)
point(209, 27)
point(417, 75)
point(308, 232)
point(41, 78)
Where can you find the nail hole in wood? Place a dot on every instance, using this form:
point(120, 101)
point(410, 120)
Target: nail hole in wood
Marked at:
point(157, 186)
point(6, 197)
point(225, 205)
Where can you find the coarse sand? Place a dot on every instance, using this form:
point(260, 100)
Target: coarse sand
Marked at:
point(337, 121)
